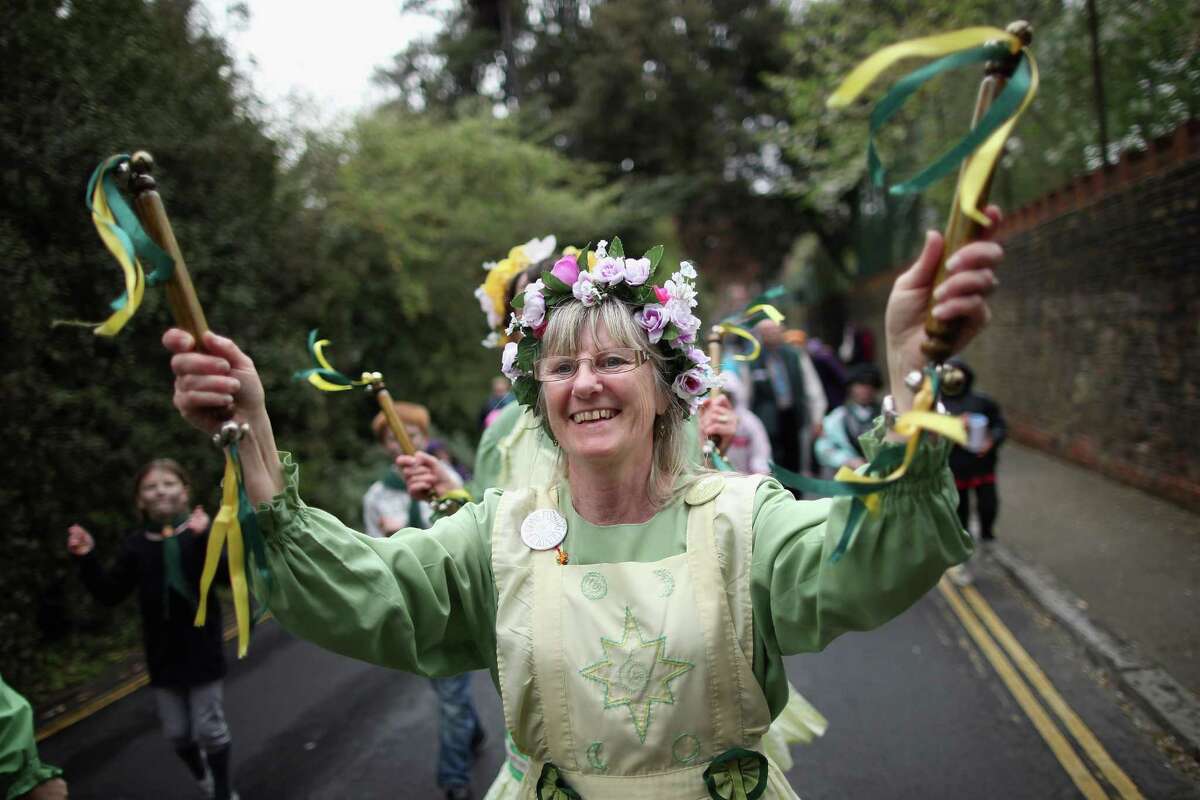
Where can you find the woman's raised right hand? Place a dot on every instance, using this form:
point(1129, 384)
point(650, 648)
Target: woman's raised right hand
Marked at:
point(79, 541)
point(213, 385)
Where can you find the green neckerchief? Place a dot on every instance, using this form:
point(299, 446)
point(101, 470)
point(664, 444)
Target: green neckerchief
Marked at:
point(394, 480)
point(173, 577)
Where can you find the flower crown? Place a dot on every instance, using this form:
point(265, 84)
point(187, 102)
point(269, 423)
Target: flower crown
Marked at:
point(664, 304)
point(491, 292)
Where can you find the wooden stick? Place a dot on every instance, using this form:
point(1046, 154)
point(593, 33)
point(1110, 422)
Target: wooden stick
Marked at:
point(181, 294)
point(961, 229)
point(394, 422)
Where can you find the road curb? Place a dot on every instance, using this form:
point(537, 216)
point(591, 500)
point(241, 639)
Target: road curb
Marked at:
point(1161, 696)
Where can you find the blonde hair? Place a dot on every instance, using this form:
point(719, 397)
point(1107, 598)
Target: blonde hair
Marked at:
point(670, 470)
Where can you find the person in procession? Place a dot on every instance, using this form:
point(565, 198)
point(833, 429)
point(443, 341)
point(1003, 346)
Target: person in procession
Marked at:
point(23, 775)
point(518, 453)
point(387, 508)
point(784, 392)
point(633, 612)
point(974, 466)
point(162, 560)
point(838, 445)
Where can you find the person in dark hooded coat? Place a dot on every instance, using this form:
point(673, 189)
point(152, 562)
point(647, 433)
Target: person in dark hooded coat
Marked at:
point(974, 466)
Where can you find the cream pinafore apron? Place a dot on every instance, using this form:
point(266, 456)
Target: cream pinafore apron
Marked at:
point(634, 680)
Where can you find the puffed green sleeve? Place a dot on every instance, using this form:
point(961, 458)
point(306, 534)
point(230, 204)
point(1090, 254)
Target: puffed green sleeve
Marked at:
point(802, 600)
point(20, 768)
point(420, 600)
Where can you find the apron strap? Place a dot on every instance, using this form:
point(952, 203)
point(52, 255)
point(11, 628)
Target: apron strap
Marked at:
point(712, 611)
point(547, 626)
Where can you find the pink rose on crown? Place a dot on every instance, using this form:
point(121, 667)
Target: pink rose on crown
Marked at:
point(691, 383)
point(609, 270)
point(653, 320)
point(661, 293)
point(566, 269)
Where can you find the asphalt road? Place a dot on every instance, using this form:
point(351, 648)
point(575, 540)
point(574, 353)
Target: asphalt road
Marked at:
point(917, 709)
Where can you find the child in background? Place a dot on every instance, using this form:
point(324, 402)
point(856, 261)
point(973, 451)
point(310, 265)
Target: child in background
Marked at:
point(162, 559)
point(838, 444)
point(974, 466)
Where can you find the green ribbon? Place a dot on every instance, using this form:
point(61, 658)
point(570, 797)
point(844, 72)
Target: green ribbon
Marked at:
point(737, 774)
point(720, 463)
point(552, 785)
point(323, 376)
point(1004, 107)
point(136, 242)
point(252, 535)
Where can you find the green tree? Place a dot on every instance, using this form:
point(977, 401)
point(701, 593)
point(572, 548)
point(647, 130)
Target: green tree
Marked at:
point(83, 413)
point(666, 97)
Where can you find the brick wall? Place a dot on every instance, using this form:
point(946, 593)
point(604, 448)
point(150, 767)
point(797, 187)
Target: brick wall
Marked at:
point(1094, 349)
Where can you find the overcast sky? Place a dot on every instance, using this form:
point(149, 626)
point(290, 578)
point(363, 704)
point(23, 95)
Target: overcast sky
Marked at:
point(325, 51)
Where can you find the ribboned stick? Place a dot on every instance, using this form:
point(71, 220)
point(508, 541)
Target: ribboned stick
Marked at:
point(961, 229)
point(181, 293)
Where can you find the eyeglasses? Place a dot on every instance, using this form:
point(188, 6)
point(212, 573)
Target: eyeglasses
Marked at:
point(607, 362)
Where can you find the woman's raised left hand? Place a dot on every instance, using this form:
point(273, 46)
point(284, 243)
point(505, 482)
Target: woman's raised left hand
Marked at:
point(971, 278)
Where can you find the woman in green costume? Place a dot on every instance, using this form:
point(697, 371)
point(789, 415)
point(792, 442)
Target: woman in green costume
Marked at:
point(635, 612)
point(515, 453)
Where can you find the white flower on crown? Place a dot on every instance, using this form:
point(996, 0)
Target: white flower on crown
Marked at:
point(514, 323)
point(508, 362)
point(687, 270)
point(602, 249)
point(680, 289)
point(488, 266)
point(637, 271)
point(534, 311)
point(585, 289)
point(538, 249)
point(492, 340)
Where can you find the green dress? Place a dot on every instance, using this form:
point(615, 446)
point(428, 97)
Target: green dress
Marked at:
point(427, 603)
point(20, 768)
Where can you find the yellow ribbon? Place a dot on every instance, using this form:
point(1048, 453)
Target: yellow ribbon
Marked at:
point(227, 527)
point(979, 167)
point(328, 386)
point(909, 424)
point(926, 47)
point(135, 276)
point(767, 310)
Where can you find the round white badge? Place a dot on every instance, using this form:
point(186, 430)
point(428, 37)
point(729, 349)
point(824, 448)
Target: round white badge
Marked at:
point(543, 529)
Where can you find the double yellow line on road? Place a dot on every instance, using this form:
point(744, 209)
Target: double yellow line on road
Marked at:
point(990, 631)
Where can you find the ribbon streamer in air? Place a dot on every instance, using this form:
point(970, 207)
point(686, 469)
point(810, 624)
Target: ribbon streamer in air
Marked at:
point(984, 143)
point(128, 242)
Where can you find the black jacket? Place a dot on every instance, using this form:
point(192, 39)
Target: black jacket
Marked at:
point(964, 463)
point(177, 653)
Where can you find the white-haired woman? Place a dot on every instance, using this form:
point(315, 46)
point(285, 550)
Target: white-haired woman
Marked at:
point(634, 614)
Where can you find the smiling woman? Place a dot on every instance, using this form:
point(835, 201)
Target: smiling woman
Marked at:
point(623, 413)
point(649, 663)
